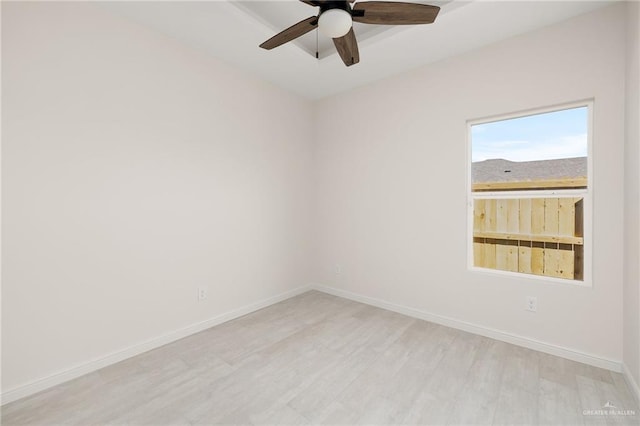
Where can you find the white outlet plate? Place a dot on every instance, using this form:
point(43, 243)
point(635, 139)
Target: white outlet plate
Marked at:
point(532, 304)
point(202, 293)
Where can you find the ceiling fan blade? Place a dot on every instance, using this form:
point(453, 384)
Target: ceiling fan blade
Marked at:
point(394, 13)
point(347, 47)
point(291, 33)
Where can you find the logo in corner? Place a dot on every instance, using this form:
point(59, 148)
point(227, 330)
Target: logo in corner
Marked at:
point(609, 409)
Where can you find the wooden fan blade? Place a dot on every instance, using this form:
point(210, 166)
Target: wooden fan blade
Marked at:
point(394, 13)
point(291, 33)
point(347, 47)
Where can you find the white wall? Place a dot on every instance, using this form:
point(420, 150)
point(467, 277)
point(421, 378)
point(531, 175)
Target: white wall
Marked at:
point(135, 170)
point(631, 294)
point(391, 184)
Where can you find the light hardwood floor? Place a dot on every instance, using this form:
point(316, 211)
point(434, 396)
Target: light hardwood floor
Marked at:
point(320, 359)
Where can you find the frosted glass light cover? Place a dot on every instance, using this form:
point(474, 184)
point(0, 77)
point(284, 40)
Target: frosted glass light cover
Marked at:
point(335, 23)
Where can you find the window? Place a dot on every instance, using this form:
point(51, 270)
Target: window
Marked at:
point(529, 193)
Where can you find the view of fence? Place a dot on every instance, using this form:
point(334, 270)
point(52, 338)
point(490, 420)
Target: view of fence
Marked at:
point(541, 236)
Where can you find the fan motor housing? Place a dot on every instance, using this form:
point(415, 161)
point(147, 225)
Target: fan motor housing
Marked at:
point(344, 5)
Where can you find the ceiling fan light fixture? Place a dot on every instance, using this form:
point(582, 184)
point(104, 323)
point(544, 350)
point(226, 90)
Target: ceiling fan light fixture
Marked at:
point(336, 19)
point(335, 23)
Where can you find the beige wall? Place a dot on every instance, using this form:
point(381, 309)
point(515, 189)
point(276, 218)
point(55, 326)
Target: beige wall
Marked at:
point(391, 202)
point(134, 171)
point(631, 295)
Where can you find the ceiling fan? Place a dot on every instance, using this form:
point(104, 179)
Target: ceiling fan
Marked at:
point(336, 18)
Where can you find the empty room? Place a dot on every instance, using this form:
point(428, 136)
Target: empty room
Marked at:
point(320, 212)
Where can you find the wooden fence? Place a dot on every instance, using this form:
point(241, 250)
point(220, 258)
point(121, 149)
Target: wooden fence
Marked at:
point(541, 236)
point(561, 183)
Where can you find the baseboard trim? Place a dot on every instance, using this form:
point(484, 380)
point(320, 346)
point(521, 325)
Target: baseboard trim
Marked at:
point(114, 357)
point(631, 382)
point(492, 333)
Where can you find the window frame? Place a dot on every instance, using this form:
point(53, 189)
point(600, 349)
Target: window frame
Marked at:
point(586, 194)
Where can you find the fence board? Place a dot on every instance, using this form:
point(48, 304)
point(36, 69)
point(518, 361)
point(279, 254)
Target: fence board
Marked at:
point(563, 239)
point(478, 215)
point(551, 260)
point(578, 263)
point(513, 215)
point(537, 258)
point(525, 216)
point(537, 216)
point(578, 182)
point(478, 253)
point(502, 255)
point(524, 257)
point(512, 256)
point(490, 253)
point(579, 206)
point(551, 216)
point(501, 215)
point(566, 216)
point(565, 261)
point(490, 215)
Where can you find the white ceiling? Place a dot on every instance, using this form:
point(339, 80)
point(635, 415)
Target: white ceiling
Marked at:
point(232, 31)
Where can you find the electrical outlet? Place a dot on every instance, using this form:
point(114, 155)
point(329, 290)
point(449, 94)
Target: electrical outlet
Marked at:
point(532, 304)
point(202, 293)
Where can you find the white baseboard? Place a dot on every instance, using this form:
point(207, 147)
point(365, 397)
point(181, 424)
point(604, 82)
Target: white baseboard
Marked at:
point(96, 364)
point(572, 354)
point(114, 357)
point(631, 382)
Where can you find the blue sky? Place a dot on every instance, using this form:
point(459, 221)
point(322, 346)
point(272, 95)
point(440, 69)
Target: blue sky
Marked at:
point(558, 134)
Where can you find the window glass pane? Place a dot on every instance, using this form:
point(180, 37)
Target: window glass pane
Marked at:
point(541, 233)
point(540, 151)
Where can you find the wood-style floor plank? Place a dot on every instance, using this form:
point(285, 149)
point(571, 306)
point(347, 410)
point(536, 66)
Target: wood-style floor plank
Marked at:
point(321, 359)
